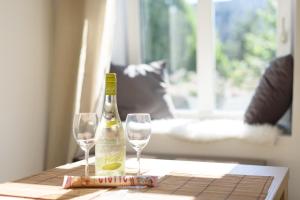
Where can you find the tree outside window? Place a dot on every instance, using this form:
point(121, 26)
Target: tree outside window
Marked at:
point(245, 43)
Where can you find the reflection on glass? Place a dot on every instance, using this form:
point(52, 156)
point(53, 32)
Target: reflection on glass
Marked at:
point(84, 132)
point(138, 132)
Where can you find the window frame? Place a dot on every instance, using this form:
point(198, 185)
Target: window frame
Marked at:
point(206, 62)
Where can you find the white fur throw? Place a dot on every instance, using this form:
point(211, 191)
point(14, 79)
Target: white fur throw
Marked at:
point(216, 130)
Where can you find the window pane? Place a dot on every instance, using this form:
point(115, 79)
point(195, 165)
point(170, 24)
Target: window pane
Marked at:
point(168, 31)
point(245, 43)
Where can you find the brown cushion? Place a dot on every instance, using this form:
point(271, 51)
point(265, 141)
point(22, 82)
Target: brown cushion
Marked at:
point(273, 96)
point(141, 88)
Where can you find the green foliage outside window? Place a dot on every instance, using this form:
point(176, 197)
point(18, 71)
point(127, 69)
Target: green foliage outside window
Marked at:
point(156, 32)
point(245, 55)
point(240, 59)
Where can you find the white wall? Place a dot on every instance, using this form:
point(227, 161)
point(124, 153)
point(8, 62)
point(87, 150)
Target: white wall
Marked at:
point(25, 37)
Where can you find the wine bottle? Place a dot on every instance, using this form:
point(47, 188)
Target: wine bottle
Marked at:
point(110, 148)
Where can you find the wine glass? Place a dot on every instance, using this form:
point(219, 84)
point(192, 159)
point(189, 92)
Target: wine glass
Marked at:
point(84, 132)
point(138, 131)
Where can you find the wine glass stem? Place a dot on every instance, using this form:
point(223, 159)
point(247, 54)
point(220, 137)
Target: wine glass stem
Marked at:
point(138, 155)
point(87, 163)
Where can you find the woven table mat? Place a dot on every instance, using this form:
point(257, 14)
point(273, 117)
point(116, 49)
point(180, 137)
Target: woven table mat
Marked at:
point(175, 185)
point(233, 187)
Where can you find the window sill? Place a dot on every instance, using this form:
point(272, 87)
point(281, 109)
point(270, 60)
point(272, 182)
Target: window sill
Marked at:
point(216, 114)
point(221, 149)
point(213, 130)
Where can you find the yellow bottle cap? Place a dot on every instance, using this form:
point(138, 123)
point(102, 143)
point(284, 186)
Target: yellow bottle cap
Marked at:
point(111, 84)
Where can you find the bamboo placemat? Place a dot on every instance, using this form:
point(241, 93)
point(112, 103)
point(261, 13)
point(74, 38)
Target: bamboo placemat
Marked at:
point(175, 185)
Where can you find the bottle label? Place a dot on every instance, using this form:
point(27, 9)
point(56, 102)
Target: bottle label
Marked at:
point(111, 123)
point(110, 159)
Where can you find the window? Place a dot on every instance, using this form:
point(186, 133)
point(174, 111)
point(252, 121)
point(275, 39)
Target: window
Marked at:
point(245, 43)
point(215, 50)
point(168, 31)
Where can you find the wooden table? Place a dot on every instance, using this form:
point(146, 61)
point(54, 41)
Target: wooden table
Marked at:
point(178, 180)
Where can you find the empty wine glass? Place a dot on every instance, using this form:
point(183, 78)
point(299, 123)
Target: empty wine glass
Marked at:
point(138, 131)
point(84, 132)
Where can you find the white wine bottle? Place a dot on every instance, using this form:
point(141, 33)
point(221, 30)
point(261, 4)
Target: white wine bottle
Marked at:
point(110, 147)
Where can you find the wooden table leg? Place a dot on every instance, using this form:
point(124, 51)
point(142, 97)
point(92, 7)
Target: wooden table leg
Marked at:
point(285, 194)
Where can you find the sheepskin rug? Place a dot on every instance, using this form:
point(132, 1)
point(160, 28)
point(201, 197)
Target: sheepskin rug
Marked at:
point(215, 130)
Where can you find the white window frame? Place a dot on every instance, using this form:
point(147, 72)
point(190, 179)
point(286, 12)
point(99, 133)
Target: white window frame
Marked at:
point(134, 32)
point(284, 27)
point(206, 65)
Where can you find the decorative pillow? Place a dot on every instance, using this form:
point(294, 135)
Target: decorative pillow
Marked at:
point(141, 88)
point(273, 96)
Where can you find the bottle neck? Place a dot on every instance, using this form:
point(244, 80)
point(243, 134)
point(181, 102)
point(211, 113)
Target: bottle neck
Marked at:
point(110, 103)
point(111, 99)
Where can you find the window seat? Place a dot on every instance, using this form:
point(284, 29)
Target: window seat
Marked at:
point(203, 131)
point(182, 136)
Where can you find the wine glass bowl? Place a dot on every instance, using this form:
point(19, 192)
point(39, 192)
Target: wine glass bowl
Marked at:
point(138, 132)
point(138, 136)
point(85, 133)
